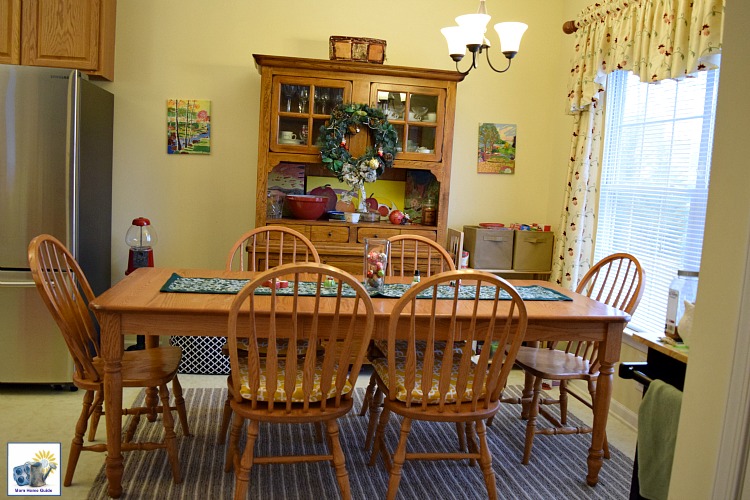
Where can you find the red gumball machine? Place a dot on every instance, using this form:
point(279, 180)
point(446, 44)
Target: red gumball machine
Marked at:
point(140, 238)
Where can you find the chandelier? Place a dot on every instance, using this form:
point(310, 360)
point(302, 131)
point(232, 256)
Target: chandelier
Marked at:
point(469, 34)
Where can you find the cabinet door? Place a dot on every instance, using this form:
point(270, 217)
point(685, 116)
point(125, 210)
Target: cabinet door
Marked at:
point(61, 33)
point(10, 31)
point(300, 107)
point(417, 114)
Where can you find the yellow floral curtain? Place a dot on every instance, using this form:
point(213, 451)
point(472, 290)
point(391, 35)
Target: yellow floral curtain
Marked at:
point(656, 40)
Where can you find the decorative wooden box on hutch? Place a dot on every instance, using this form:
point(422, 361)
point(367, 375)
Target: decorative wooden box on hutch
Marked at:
point(298, 94)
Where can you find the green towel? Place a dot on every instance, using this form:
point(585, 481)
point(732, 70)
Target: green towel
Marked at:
point(658, 418)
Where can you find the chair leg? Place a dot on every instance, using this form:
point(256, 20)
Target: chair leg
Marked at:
point(234, 439)
point(170, 438)
point(531, 424)
point(77, 445)
point(461, 431)
point(564, 402)
point(485, 460)
point(95, 414)
point(242, 473)
point(528, 389)
point(471, 442)
point(338, 461)
point(376, 402)
point(399, 457)
point(152, 401)
point(226, 418)
point(179, 403)
point(379, 444)
point(318, 431)
point(368, 396)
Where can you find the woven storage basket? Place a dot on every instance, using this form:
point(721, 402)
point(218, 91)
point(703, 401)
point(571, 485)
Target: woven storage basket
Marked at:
point(349, 48)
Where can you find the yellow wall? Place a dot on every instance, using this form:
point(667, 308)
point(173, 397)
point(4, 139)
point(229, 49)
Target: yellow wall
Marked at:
point(202, 50)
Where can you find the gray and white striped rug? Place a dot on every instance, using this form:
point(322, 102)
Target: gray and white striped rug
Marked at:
point(557, 468)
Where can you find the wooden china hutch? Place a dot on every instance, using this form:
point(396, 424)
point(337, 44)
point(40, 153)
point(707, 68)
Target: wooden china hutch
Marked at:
point(297, 96)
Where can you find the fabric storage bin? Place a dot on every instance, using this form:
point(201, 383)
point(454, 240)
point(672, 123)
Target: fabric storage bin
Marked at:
point(532, 250)
point(489, 248)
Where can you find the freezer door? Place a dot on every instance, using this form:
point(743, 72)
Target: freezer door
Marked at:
point(33, 347)
point(33, 175)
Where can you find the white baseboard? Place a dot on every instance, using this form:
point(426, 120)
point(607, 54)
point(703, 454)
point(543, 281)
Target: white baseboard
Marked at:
point(616, 409)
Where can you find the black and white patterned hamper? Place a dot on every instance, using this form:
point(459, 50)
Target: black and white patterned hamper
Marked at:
point(201, 355)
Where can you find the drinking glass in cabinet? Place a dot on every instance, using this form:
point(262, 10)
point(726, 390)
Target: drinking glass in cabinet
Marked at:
point(288, 92)
point(304, 97)
point(322, 97)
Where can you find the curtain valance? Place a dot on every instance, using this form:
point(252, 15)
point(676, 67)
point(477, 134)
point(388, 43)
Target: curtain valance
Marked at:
point(655, 39)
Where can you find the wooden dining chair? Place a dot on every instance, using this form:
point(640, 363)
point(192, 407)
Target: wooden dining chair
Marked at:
point(282, 386)
point(455, 246)
point(408, 253)
point(617, 280)
point(265, 247)
point(66, 293)
point(260, 249)
point(445, 386)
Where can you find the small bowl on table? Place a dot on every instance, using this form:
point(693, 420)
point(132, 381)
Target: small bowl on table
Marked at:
point(307, 206)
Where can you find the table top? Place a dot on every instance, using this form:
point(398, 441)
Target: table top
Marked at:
point(140, 293)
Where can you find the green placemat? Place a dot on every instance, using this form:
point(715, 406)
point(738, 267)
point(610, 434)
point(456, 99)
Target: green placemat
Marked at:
point(180, 284)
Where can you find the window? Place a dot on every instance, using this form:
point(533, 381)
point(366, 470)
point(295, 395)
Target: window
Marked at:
point(654, 180)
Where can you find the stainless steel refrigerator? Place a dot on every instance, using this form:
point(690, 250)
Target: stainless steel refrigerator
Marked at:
point(55, 178)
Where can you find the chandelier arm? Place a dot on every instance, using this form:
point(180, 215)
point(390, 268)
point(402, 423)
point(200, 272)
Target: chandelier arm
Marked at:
point(463, 72)
point(472, 66)
point(495, 69)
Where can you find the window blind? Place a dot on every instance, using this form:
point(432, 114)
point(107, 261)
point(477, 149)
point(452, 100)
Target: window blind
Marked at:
point(654, 181)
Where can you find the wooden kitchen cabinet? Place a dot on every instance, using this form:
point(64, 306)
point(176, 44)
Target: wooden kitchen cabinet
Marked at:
point(297, 95)
point(78, 34)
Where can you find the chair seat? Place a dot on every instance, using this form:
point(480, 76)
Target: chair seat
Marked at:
point(145, 368)
point(281, 347)
point(421, 345)
point(315, 394)
point(554, 364)
point(380, 366)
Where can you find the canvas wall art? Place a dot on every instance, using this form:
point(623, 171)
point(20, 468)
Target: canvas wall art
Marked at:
point(188, 126)
point(496, 150)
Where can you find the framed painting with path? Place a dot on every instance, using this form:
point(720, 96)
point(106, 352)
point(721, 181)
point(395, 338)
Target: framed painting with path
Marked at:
point(496, 148)
point(188, 126)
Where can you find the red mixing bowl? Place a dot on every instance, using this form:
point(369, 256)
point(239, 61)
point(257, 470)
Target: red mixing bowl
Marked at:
point(307, 206)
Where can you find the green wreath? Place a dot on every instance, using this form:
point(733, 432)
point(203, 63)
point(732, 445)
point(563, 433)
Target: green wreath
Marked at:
point(349, 119)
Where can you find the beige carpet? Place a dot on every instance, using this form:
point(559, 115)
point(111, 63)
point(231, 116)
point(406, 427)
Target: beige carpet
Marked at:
point(557, 468)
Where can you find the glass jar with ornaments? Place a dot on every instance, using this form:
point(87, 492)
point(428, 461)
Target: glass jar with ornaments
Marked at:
point(376, 263)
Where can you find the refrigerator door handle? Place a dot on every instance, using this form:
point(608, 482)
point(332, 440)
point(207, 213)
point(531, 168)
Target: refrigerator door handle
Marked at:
point(17, 283)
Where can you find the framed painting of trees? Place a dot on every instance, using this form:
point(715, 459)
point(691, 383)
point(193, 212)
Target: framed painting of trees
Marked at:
point(496, 148)
point(188, 126)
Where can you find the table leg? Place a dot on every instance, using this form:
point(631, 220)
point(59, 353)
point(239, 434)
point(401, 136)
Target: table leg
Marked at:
point(112, 347)
point(609, 354)
point(152, 395)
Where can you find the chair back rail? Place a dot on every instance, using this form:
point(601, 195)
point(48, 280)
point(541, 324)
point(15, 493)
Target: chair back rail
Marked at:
point(66, 293)
point(617, 280)
point(477, 382)
point(276, 245)
point(411, 252)
point(339, 321)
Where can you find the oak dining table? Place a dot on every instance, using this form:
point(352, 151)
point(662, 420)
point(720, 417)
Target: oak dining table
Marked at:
point(137, 306)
